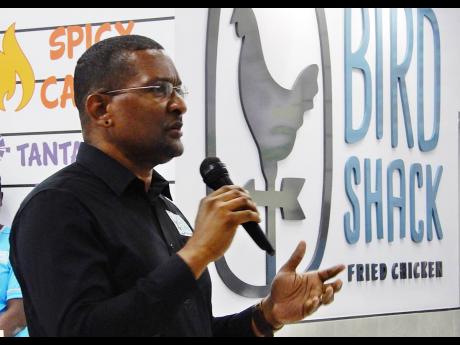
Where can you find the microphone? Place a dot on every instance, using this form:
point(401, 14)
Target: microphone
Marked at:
point(215, 175)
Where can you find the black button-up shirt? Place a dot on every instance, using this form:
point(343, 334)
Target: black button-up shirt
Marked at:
point(96, 255)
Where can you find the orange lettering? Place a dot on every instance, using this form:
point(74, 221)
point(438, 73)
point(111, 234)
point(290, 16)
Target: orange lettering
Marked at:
point(73, 42)
point(104, 27)
point(67, 92)
point(89, 35)
point(122, 31)
point(47, 103)
point(56, 54)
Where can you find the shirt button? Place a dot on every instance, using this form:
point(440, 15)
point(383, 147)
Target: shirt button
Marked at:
point(171, 245)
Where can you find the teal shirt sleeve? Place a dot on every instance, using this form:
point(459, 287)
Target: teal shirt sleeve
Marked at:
point(13, 290)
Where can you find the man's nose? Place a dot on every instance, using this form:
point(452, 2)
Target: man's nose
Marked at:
point(177, 104)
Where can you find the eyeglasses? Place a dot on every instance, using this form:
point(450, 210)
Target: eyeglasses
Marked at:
point(161, 90)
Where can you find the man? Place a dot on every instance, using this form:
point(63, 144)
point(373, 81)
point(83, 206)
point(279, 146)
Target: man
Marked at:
point(12, 317)
point(96, 247)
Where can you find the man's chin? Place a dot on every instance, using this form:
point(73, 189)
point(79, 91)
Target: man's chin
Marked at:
point(172, 152)
point(179, 149)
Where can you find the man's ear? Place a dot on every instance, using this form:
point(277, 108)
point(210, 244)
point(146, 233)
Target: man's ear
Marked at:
point(96, 108)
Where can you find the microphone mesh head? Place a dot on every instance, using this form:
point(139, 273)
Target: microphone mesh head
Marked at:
point(208, 164)
point(214, 173)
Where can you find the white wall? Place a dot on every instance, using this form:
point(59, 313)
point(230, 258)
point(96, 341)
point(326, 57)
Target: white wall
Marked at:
point(434, 324)
point(190, 45)
point(186, 41)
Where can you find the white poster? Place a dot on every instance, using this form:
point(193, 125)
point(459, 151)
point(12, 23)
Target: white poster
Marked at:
point(40, 128)
point(343, 125)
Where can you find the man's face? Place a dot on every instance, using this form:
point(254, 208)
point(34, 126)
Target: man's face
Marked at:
point(145, 127)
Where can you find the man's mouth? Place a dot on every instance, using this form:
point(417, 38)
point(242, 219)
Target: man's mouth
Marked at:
point(175, 129)
point(177, 125)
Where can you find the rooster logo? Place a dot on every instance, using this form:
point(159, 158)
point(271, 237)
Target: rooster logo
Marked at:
point(274, 115)
point(13, 62)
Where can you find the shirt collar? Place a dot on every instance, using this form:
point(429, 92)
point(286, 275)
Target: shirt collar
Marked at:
point(114, 174)
point(159, 186)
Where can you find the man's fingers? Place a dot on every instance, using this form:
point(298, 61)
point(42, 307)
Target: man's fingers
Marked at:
point(240, 217)
point(233, 198)
point(226, 191)
point(328, 296)
point(336, 286)
point(296, 257)
point(241, 203)
point(310, 306)
point(330, 272)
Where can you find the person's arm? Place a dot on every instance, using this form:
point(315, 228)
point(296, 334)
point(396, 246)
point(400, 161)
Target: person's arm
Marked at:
point(293, 296)
point(61, 263)
point(13, 319)
point(235, 325)
point(218, 217)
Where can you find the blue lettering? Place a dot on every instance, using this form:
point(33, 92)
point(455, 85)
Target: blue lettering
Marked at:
point(398, 76)
point(430, 144)
point(373, 198)
point(399, 202)
point(352, 170)
point(415, 173)
point(378, 73)
point(357, 60)
point(431, 210)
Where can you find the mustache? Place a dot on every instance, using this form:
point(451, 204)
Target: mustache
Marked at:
point(175, 125)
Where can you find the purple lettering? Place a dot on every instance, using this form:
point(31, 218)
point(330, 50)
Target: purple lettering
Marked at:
point(52, 154)
point(64, 147)
point(76, 146)
point(22, 149)
point(35, 155)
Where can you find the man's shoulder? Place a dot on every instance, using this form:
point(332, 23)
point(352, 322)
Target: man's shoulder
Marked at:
point(71, 180)
point(66, 179)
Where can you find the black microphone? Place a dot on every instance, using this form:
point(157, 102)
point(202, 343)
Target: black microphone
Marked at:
point(215, 175)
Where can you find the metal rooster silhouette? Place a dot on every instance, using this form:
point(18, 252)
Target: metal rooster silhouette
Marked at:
point(274, 114)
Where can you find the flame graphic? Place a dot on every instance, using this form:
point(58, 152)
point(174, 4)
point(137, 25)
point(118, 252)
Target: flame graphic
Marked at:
point(12, 62)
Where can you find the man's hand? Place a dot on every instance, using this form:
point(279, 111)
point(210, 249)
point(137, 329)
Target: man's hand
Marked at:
point(294, 295)
point(219, 215)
